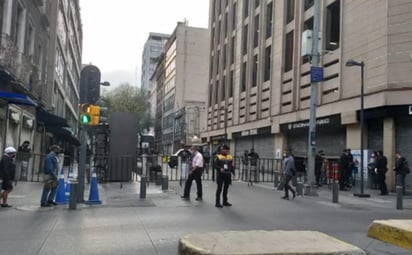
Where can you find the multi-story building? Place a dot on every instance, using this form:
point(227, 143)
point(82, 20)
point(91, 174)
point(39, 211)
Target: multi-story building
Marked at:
point(153, 48)
point(23, 63)
point(180, 79)
point(40, 57)
point(65, 56)
point(259, 82)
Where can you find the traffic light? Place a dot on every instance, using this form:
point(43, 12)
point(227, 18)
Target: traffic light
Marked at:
point(89, 84)
point(89, 114)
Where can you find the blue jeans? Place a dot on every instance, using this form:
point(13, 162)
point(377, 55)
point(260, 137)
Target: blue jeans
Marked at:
point(400, 181)
point(48, 194)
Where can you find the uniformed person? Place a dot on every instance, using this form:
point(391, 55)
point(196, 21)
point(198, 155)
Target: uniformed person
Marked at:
point(224, 168)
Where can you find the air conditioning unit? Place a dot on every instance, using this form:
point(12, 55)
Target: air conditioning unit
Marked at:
point(306, 49)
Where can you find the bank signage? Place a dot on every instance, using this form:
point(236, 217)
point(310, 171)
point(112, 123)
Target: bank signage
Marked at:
point(332, 120)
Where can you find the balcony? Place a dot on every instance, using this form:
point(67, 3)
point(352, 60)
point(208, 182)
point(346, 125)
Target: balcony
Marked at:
point(17, 67)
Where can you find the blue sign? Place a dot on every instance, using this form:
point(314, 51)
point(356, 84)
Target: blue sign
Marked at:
point(316, 74)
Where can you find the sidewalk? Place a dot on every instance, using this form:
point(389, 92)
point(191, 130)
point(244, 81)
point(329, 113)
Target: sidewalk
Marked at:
point(126, 224)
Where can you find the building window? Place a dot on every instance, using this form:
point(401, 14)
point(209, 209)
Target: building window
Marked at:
point(223, 93)
point(234, 17)
point(245, 9)
point(224, 56)
point(232, 57)
point(243, 84)
point(290, 10)
point(289, 51)
point(308, 4)
point(210, 94)
point(217, 92)
point(232, 78)
point(333, 26)
point(268, 58)
point(257, 3)
point(225, 24)
point(254, 71)
point(256, 36)
point(217, 61)
point(244, 41)
point(269, 20)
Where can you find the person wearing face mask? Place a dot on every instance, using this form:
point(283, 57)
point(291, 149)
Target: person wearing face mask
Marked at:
point(50, 177)
point(7, 170)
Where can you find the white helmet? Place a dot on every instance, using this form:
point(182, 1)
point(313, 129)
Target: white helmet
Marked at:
point(9, 150)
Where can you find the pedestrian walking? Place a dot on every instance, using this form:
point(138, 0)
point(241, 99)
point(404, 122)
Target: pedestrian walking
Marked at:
point(50, 177)
point(225, 168)
point(381, 164)
point(22, 161)
point(7, 172)
point(253, 160)
point(402, 169)
point(289, 171)
point(195, 173)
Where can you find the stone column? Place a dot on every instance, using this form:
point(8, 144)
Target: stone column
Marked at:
point(389, 140)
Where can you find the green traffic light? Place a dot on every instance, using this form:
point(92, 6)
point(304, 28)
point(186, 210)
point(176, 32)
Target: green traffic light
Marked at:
point(85, 119)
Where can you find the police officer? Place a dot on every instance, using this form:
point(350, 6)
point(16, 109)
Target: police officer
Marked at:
point(224, 168)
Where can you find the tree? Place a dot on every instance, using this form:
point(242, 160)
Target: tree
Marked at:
point(128, 98)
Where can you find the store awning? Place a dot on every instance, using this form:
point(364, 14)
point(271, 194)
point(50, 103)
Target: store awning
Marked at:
point(64, 134)
point(50, 119)
point(14, 98)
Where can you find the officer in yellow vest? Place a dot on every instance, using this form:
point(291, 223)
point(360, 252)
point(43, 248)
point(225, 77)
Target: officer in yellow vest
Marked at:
point(224, 168)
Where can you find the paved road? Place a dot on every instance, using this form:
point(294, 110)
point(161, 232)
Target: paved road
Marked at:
point(125, 224)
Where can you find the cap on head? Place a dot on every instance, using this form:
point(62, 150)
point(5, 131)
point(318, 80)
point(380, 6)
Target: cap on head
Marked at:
point(224, 147)
point(55, 147)
point(9, 150)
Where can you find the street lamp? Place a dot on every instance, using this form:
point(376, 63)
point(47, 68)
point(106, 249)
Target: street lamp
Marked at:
point(351, 63)
point(105, 83)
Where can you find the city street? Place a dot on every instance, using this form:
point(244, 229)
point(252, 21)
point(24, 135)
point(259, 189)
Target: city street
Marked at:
point(125, 224)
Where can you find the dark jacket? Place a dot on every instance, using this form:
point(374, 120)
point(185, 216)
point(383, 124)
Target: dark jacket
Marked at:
point(381, 164)
point(7, 169)
point(400, 165)
point(224, 162)
point(253, 157)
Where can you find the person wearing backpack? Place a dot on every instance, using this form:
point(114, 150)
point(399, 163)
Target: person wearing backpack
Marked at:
point(401, 169)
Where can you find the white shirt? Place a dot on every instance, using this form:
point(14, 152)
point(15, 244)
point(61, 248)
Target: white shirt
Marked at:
point(197, 161)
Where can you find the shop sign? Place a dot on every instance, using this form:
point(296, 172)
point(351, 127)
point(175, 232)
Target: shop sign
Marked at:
point(245, 133)
point(305, 124)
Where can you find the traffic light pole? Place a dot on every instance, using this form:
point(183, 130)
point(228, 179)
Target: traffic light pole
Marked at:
point(82, 164)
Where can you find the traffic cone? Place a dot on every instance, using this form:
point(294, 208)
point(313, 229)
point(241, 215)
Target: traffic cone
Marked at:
point(94, 191)
point(60, 196)
point(67, 192)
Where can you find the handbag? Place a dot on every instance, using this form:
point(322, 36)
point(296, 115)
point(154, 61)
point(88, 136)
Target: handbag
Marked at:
point(50, 182)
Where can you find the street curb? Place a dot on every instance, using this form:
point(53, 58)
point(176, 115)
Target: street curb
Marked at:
point(396, 232)
point(255, 242)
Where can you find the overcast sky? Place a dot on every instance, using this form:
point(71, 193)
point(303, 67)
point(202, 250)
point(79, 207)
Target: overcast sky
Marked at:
point(114, 32)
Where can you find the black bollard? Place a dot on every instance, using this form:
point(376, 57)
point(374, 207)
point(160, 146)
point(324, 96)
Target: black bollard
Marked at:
point(73, 194)
point(335, 191)
point(165, 182)
point(399, 197)
point(143, 181)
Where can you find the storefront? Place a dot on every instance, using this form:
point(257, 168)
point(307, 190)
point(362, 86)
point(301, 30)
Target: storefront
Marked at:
point(260, 139)
point(330, 136)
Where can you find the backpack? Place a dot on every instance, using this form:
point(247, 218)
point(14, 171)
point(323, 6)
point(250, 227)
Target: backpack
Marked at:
point(405, 168)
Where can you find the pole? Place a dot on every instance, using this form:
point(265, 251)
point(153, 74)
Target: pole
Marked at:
point(82, 165)
point(310, 186)
point(362, 120)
